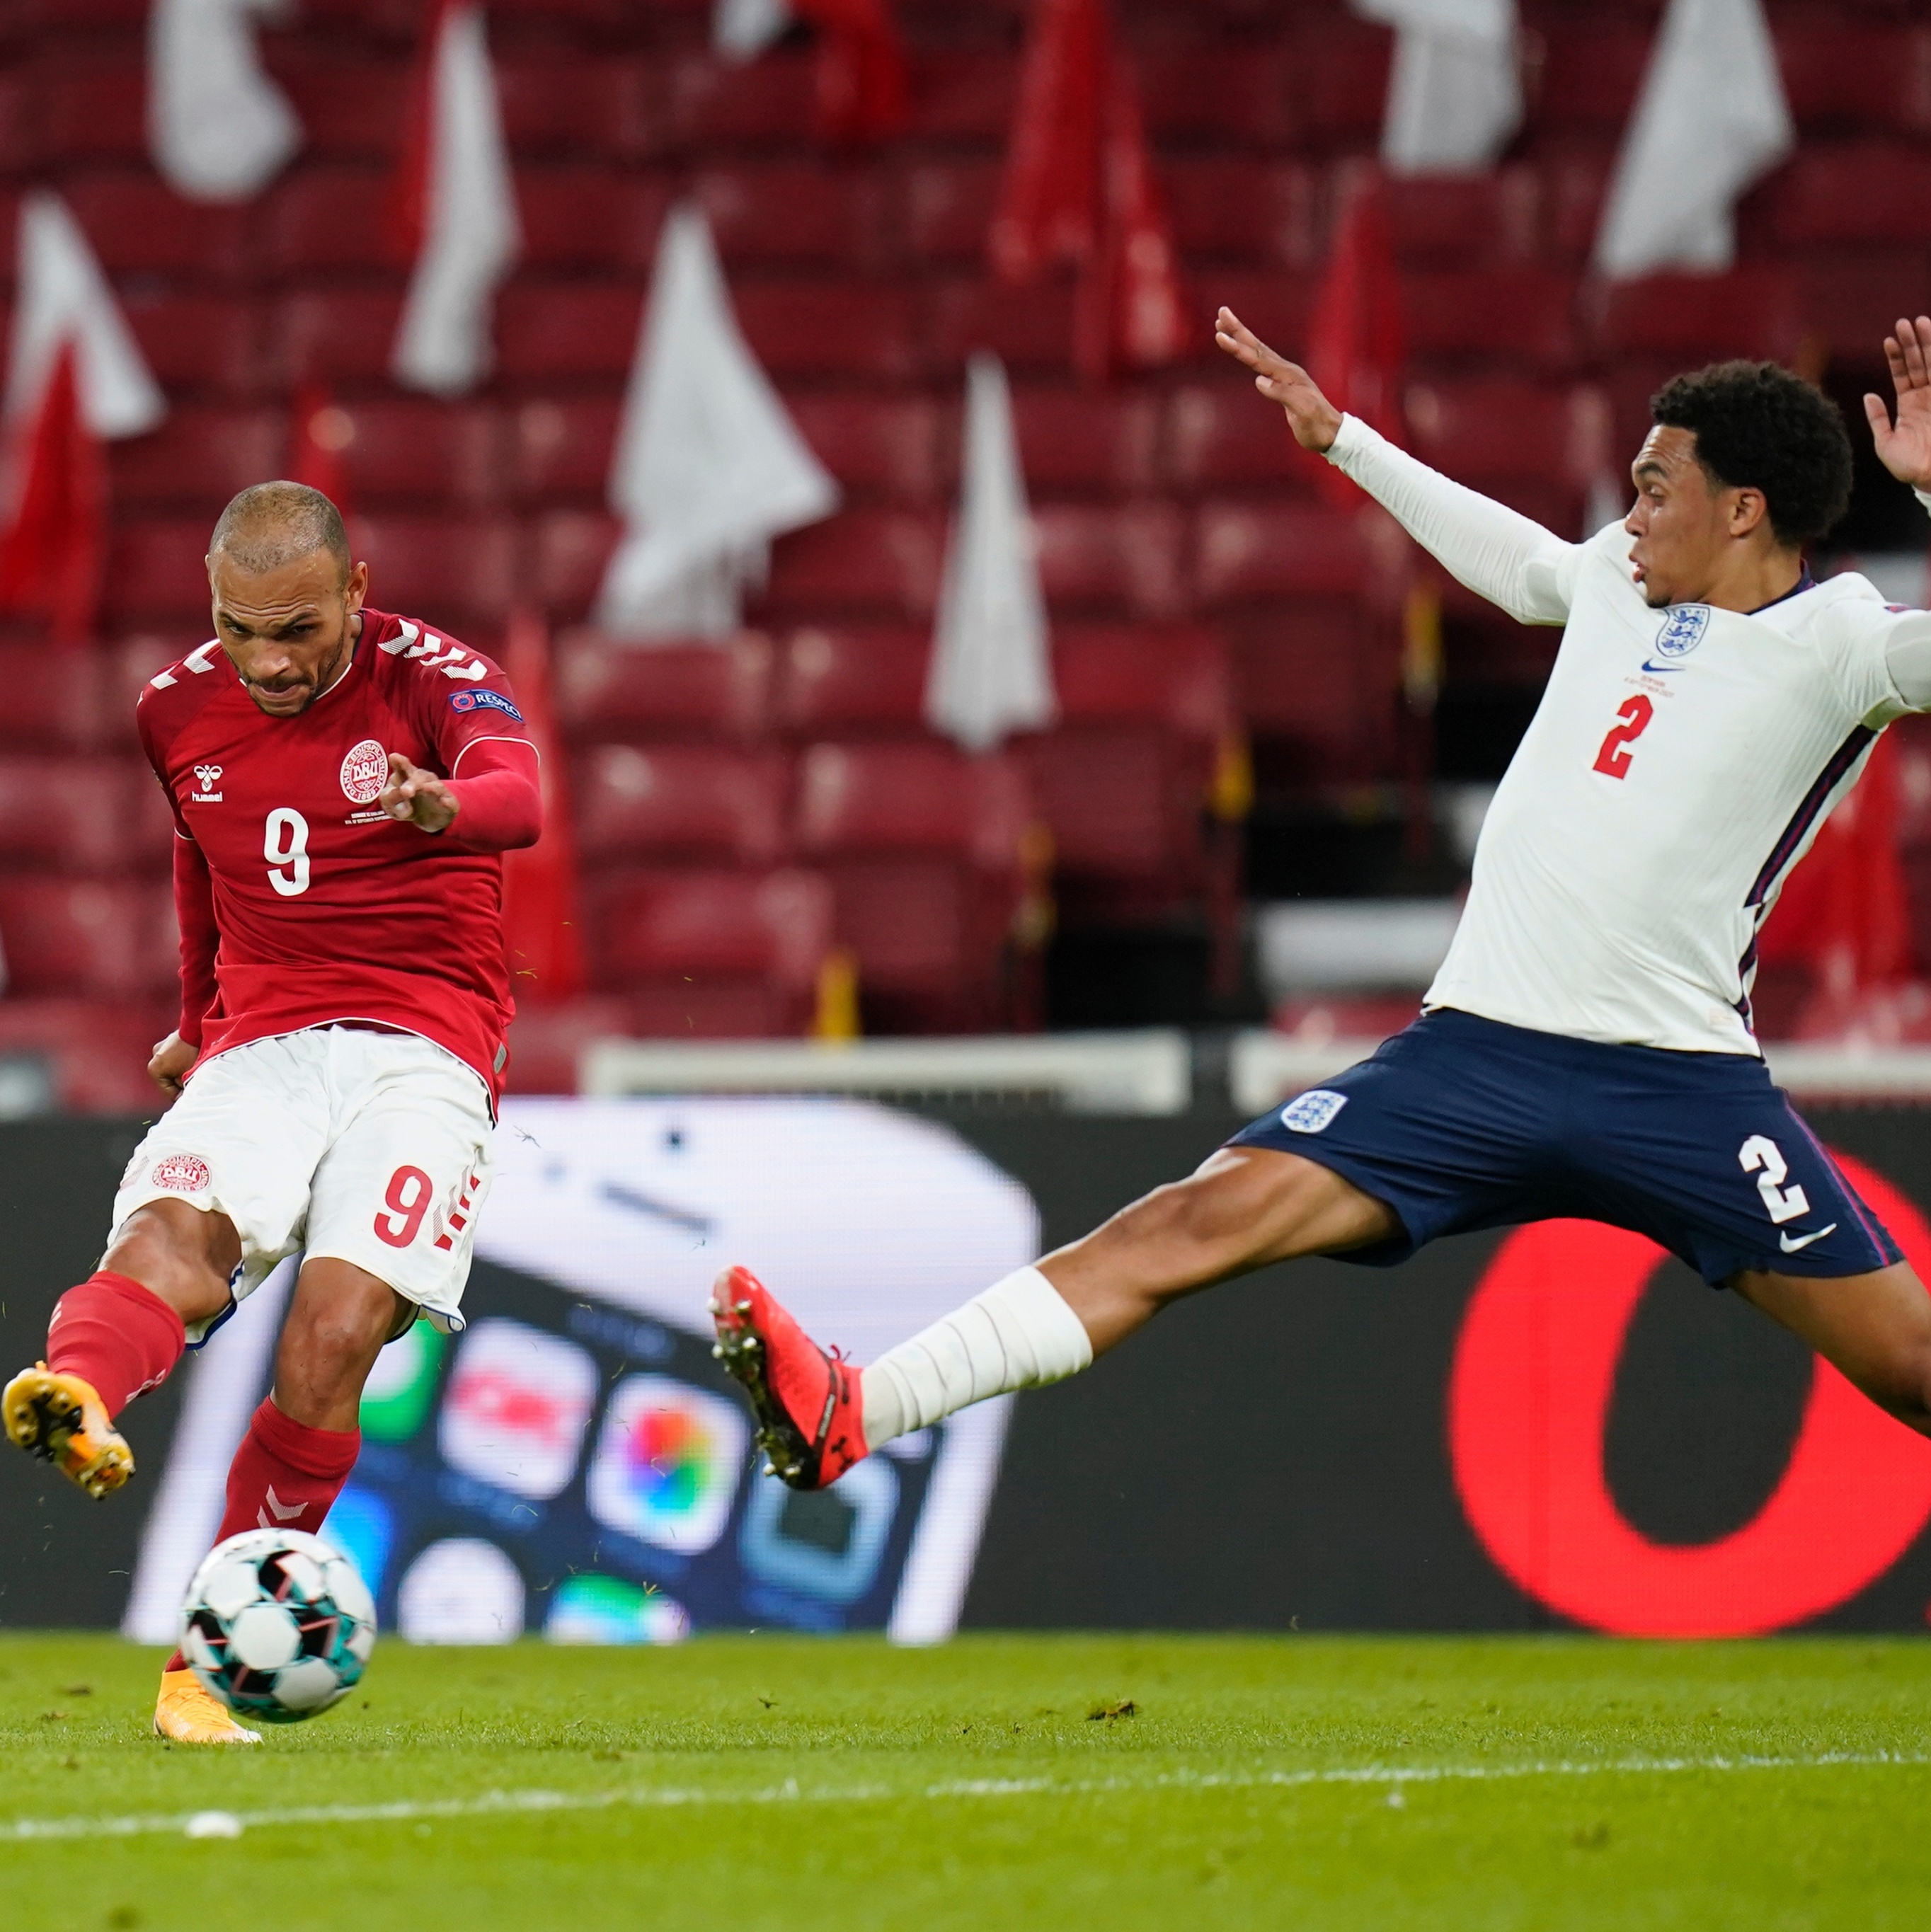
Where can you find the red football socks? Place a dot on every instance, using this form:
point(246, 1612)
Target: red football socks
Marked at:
point(285, 1475)
point(116, 1334)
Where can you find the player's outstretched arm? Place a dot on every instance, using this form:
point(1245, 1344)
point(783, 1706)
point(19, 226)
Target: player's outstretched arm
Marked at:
point(1904, 447)
point(1500, 555)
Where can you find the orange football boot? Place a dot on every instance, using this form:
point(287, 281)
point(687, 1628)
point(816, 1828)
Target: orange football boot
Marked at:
point(61, 1418)
point(190, 1715)
point(810, 1422)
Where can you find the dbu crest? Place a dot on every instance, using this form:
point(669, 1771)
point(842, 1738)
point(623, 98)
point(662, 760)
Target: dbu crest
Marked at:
point(1682, 630)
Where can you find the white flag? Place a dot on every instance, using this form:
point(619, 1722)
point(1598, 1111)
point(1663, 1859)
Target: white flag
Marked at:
point(709, 467)
point(219, 127)
point(63, 296)
point(740, 30)
point(1711, 117)
point(1454, 95)
point(992, 670)
point(470, 236)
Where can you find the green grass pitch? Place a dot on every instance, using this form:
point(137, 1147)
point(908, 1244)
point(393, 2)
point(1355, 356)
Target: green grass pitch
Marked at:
point(1297, 1782)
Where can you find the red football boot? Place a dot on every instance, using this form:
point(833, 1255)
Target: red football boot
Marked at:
point(810, 1422)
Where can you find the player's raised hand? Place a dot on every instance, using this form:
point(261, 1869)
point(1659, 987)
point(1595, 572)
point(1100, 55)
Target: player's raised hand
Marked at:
point(1313, 418)
point(1905, 447)
point(417, 797)
point(173, 1057)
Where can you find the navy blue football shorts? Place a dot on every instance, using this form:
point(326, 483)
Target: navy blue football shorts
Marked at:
point(1459, 1123)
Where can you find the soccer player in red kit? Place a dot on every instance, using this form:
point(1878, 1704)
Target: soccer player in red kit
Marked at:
point(344, 782)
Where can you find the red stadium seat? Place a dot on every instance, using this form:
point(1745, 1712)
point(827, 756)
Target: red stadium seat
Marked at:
point(403, 449)
point(911, 797)
point(1852, 300)
point(136, 223)
point(449, 570)
point(1504, 314)
point(155, 572)
point(198, 457)
point(1338, 69)
point(1130, 558)
point(572, 548)
point(576, 217)
point(1592, 67)
point(964, 93)
point(1238, 209)
point(1087, 439)
point(320, 221)
point(546, 1040)
point(949, 205)
point(678, 802)
point(831, 327)
point(1178, 678)
point(1839, 73)
point(552, 102)
point(548, 331)
point(886, 444)
point(201, 342)
point(784, 211)
point(1454, 220)
point(112, 940)
point(698, 941)
point(772, 99)
point(1244, 92)
point(351, 108)
point(1031, 329)
point(1274, 303)
point(1856, 191)
point(1224, 433)
point(563, 447)
point(95, 1051)
point(883, 563)
point(1273, 549)
point(56, 700)
point(82, 816)
point(1754, 310)
point(336, 335)
point(91, 110)
point(1318, 678)
point(1488, 431)
point(607, 689)
point(837, 679)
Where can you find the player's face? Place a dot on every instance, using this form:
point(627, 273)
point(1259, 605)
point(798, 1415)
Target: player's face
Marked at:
point(289, 632)
point(1684, 521)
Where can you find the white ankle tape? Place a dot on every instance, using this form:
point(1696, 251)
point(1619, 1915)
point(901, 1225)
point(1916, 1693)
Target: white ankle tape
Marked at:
point(1019, 1334)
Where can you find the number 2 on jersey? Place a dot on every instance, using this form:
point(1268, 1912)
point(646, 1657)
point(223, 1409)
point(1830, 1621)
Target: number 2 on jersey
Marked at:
point(1635, 713)
point(285, 846)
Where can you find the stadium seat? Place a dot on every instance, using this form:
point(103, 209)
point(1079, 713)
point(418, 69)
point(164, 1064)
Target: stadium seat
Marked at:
point(771, 100)
point(200, 341)
point(1233, 208)
point(693, 942)
point(1488, 431)
point(1450, 221)
point(91, 110)
point(406, 450)
point(320, 222)
point(912, 796)
point(82, 817)
point(837, 680)
point(554, 102)
point(784, 211)
point(1593, 64)
point(1177, 677)
point(964, 93)
point(1087, 439)
point(1242, 91)
point(154, 570)
point(579, 216)
point(1753, 310)
point(1124, 805)
point(337, 335)
point(1318, 675)
point(551, 331)
point(95, 1052)
point(351, 106)
point(547, 1040)
point(1274, 303)
point(948, 207)
point(607, 690)
point(55, 699)
point(886, 444)
point(679, 803)
point(198, 457)
point(452, 569)
point(569, 550)
point(1843, 193)
point(1851, 300)
point(843, 327)
point(1852, 76)
point(1338, 70)
point(1498, 315)
point(1030, 329)
point(1223, 434)
point(136, 223)
point(562, 447)
point(884, 563)
point(1130, 557)
point(112, 939)
point(1282, 549)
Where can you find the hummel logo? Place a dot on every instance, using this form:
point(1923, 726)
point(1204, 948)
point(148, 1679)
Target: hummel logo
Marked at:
point(206, 778)
point(283, 1512)
point(1790, 1246)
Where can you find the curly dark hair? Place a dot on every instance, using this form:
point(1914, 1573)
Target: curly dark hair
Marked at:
point(1759, 427)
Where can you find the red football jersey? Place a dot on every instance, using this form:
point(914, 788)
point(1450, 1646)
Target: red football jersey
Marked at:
point(324, 908)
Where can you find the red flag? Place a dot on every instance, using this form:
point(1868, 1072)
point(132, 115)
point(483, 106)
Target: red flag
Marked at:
point(864, 87)
point(541, 930)
point(318, 439)
point(1080, 188)
point(51, 554)
point(1355, 349)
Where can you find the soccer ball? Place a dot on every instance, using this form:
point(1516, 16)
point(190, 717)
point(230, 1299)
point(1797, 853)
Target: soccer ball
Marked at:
point(278, 1624)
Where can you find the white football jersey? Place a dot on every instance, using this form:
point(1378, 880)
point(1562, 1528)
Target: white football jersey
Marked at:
point(1679, 765)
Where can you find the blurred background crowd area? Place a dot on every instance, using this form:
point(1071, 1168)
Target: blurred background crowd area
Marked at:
point(1246, 735)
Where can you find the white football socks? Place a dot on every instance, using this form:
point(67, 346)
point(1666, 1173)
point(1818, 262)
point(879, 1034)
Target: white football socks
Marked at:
point(1019, 1334)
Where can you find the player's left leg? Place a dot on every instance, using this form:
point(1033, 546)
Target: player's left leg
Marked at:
point(1874, 1329)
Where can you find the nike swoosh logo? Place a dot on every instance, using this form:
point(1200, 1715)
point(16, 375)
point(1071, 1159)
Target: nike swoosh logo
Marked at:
point(1790, 1247)
point(1661, 667)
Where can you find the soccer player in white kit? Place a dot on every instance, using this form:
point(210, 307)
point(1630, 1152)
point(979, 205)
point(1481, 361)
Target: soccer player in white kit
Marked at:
point(1586, 1048)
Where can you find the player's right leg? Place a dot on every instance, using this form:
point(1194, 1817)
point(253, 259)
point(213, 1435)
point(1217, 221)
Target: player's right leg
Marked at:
point(1246, 1208)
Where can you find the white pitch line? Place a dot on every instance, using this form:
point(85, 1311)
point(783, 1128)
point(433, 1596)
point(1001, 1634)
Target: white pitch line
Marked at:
point(495, 1803)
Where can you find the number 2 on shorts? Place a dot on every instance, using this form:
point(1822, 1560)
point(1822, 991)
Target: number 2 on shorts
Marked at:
point(407, 1201)
point(1760, 1155)
point(1613, 760)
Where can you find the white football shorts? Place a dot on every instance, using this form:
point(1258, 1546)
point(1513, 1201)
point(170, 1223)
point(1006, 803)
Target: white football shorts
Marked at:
point(339, 1142)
